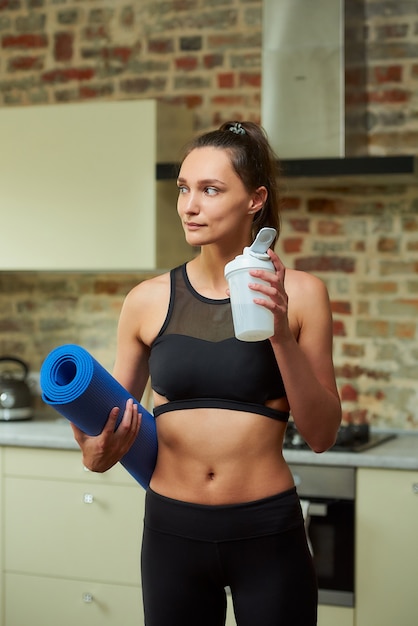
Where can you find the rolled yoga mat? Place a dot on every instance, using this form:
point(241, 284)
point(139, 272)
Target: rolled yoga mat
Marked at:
point(79, 388)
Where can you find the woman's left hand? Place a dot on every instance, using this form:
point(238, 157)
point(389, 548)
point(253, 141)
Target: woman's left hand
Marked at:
point(277, 301)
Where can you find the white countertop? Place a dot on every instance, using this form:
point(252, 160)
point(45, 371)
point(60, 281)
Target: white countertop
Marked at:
point(41, 432)
point(55, 432)
point(398, 453)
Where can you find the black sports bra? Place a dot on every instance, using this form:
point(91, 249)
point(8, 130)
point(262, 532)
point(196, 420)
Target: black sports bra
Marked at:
point(196, 361)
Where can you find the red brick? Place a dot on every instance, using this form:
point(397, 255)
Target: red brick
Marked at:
point(339, 306)
point(328, 227)
point(348, 393)
point(63, 46)
point(191, 101)
point(292, 244)
point(25, 63)
point(119, 53)
point(324, 205)
point(229, 100)
point(388, 244)
point(66, 74)
point(386, 74)
point(95, 91)
point(250, 80)
point(389, 96)
point(405, 330)
point(292, 203)
point(27, 40)
point(299, 225)
point(186, 63)
point(326, 264)
point(213, 60)
point(339, 328)
point(161, 46)
point(226, 81)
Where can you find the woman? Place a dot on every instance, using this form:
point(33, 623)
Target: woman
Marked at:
point(222, 509)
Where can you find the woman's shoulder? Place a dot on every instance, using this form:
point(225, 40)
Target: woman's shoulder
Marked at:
point(150, 289)
point(300, 283)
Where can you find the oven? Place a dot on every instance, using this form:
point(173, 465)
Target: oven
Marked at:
point(327, 496)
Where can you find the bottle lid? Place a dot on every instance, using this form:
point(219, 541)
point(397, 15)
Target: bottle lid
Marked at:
point(261, 243)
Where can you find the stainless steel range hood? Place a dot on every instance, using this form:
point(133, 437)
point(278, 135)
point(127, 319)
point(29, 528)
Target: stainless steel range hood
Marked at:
point(303, 97)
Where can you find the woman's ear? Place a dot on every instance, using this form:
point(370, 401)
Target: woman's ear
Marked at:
point(258, 200)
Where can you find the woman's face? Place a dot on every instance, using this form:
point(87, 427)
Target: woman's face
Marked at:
point(213, 203)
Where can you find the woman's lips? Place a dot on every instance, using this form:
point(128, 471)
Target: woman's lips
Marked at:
point(193, 225)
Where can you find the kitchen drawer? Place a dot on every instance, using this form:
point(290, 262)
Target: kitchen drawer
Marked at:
point(60, 465)
point(333, 615)
point(37, 600)
point(327, 615)
point(73, 530)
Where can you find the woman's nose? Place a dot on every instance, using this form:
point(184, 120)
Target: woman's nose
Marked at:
point(190, 204)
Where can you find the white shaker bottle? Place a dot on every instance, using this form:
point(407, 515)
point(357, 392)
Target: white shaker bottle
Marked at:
point(252, 322)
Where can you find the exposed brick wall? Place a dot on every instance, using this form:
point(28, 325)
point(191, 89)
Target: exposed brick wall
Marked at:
point(202, 53)
point(363, 242)
point(382, 76)
point(205, 54)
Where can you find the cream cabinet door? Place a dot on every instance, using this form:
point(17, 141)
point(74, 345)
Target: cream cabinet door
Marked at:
point(73, 530)
point(386, 548)
point(42, 601)
point(327, 615)
point(335, 616)
point(78, 186)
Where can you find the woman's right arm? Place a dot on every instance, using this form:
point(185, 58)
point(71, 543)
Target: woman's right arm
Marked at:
point(103, 451)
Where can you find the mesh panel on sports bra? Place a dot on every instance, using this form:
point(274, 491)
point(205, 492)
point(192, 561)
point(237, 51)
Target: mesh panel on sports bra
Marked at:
point(196, 316)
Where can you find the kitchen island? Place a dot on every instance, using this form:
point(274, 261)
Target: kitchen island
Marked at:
point(71, 538)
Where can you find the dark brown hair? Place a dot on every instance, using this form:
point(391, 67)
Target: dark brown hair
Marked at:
point(254, 161)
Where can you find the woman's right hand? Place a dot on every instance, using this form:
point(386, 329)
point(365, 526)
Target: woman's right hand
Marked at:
point(103, 451)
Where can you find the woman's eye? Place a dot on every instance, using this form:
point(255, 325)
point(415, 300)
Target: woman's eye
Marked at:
point(181, 188)
point(211, 191)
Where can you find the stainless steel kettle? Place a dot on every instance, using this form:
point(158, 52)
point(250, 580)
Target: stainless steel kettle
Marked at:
point(15, 394)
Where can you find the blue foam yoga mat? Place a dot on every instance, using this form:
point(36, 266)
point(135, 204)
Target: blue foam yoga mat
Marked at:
point(79, 388)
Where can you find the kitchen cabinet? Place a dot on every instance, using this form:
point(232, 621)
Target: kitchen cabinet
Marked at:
point(327, 615)
point(386, 547)
point(71, 541)
point(335, 615)
point(79, 188)
point(2, 598)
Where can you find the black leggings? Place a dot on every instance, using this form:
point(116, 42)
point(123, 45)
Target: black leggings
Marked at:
point(191, 552)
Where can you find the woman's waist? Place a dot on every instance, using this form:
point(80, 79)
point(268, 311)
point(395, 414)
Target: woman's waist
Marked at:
point(220, 478)
point(271, 514)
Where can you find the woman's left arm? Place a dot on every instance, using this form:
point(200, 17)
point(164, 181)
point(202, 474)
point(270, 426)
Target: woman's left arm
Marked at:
point(302, 344)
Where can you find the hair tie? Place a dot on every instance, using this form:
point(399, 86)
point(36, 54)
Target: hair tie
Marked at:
point(237, 128)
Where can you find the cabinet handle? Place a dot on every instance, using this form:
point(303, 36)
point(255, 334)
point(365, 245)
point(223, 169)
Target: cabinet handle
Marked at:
point(415, 487)
point(87, 598)
point(88, 498)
